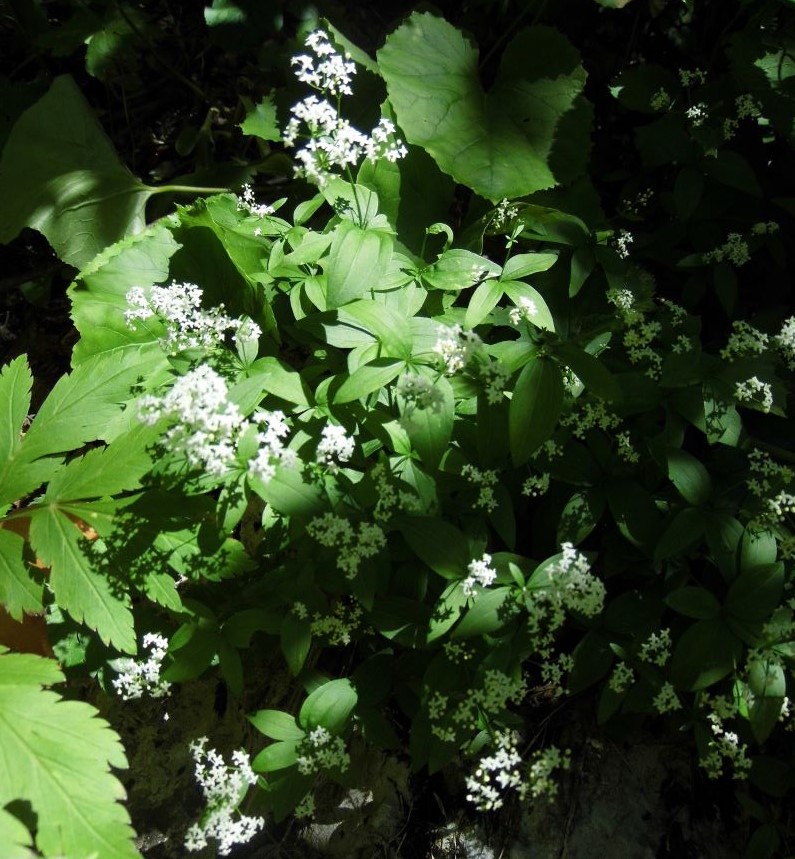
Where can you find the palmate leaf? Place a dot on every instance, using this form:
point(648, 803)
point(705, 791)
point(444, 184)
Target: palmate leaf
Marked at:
point(499, 143)
point(57, 755)
point(78, 589)
point(61, 176)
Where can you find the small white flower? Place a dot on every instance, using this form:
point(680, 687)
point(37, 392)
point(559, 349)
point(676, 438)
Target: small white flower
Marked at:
point(335, 446)
point(136, 679)
point(480, 573)
point(756, 391)
point(456, 347)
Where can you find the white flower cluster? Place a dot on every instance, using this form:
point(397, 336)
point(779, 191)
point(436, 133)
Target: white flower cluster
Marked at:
point(334, 531)
point(660, 100)
point(205, 424)
point(272, 452)
point(536, 485)
point(321, 750)
point(224, 786)
point(764, 228)
point(480, 573)
point(188, 326)
point(768, 474)
point(785, 342)
point(697, 113)
point(623, 299)
point(456, 347)
point(497, 773)
point(526, 309)
point(573, 584)
point(503, 216)
point(755, 391)
point(626, 450)
point(335, 446)
point(136, 679)
point(747, 106)
point(623, 240)
point(248, 202)
point(692, 77)
point(621, 678)
point(744, 340)
point(724, 749)
point(734, 250)
point(666, 700)
point(494, 376)
point(543, 766)
point(781, 506)
point(590, 415)
point(657, 647)
point(337, 627)
point(418, 392)
point(486, 480)
point(637, 341)
point(333, 141)
point(552, 671)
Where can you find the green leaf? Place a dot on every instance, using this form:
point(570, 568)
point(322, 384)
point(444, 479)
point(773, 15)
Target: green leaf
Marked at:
point(357, 260)
point(85, 594)
point(522, 265)
point(277, 725)
point(390, 328)
point(694, 602)
point(431, 429)
point(489, 613)
point(756, 592)
point(516, 290)
point(446, 611)
point(14, 837)
point(685, 528)
point(270, 375)
point(535, 408)
point(276, 756)
point(592, 660)
point(635, 512)
point(705, 653)
point(436, 543)
point(483, 300)
point(329, 706)
point(767, 682)
point(498, 143)
point(81, 406)
point(689, 476)
point(458, 269)
point(16, 382)
point(18, 592)
point(591, 371)
point(57, 755)
point(296, 639)
point(580, 515)
point(261, 120)
point(61, 176)
point(368, 378)
point(289, 494)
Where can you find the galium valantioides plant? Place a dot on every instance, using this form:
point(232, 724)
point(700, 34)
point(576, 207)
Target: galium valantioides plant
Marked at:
point(393, 421)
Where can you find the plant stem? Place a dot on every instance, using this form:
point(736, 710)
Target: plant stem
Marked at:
point(184, 189)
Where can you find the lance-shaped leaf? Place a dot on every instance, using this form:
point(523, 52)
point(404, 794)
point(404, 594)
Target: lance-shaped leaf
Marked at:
point(498, 143)
point(357, 261)
point(535, 408)
point(61, 176)
point(57, 755)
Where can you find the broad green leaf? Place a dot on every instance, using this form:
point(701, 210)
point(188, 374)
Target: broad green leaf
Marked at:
point(724, 534)
point(591, 371)
point(18, 592)
point(261, 120)
point(269, 375)
point(767, 682)
point(758, 547)
point(689, 476)
point(368, 378)
point(57, 755)
point(296, 639)
point(61, 176)
point(277, 725)
point(516, 290)
point(498, 143)
point(390, 328)
point(696, 602)
point(330, 706)
point(276, 756)
point(162, 589)
point(81, 405)
point(635, 512)
point(684, 529)
point(437, 543)
point(522, 265)
point(458, 269)
point(14, 837)
point(431, 429)
point(357, 260)
point(756, 592)
point(580, 515)
point(99, 292)
point(86, 595)
point(592, 660)
point(493, 608)
point(535, 408)
point(483, 300)
point(446, 611)
point(705, 653)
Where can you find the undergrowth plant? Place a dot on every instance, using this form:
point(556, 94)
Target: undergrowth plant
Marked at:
point(440, 473)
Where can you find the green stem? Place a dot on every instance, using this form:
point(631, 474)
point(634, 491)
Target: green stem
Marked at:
point(184, 189)
point(355, 196)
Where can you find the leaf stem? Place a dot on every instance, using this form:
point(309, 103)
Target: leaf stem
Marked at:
point(184, 189)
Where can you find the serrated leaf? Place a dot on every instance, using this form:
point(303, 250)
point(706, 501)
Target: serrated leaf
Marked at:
point(85, 594)
point(16, 382)
point(535, 408)
point(61, 176)
point(18, 592)
point(498, 143)
point(14, 837)
point(261, 120)
point(57, 755)
point(82, 405)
